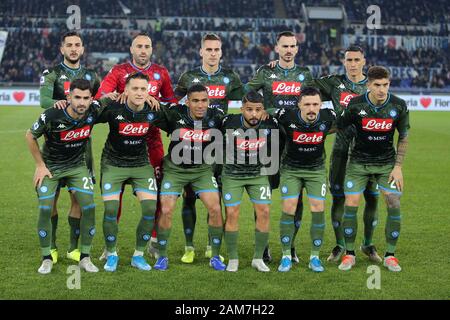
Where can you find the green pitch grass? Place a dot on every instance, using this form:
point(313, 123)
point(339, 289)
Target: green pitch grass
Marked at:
point(423, 248)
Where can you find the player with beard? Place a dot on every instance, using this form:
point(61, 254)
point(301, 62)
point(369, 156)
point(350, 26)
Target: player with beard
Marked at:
point(54, 88)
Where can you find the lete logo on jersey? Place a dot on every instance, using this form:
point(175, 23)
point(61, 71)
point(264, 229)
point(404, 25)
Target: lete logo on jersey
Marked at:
point(74, 135)
point(345, 98)
point(377, 125)
point(251, 144)
point(195, 135)
point(307, 137)
point(286, 88)
point(133, 129)
point(216, 92)
point(66, 87)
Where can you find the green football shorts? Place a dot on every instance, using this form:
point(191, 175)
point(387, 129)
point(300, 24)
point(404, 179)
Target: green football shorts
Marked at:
point(176, 177)
point(358, 175)
point(76, 179)
point(258, 189)
point(294, 180)
point(141, 179)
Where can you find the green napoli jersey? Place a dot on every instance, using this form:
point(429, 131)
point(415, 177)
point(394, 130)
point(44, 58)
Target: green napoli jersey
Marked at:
point(375, 128)
point(280, 87)
point(189, 138)
point(55, 83)
point(339, 90)
point(247, 150)
point(305, 141)
point(65, 137)
point(126, 143)
point(223, 86)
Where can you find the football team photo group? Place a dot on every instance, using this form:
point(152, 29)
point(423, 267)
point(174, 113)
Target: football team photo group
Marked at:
point(197, 150)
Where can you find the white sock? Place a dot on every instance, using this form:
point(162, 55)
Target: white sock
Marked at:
point(138, 253)
point(312, 256)
point(290, 258)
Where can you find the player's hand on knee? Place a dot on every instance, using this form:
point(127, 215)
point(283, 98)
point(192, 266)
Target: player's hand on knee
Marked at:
point(39, 175)
point(397, 177)
point(61, 104)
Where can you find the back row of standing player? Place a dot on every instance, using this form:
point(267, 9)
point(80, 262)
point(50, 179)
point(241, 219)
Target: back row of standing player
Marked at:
point(281, 85)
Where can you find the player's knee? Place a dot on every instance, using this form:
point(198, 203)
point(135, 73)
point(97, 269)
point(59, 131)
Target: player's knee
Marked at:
point(88, 210)
point(148, 207)
point(232, 220)
point(45, 210)
point(167, 210)
point(393, 200)
point(289, 206)
point(262, 214)
point(214, 209)
point(75, 212)
point(317, 206)
point(352, 200)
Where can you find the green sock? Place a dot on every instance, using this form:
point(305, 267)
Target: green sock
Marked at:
point(297, 219)
point(392, 230)
point(54, 221)
point(350, 227)
point(189, 217)
point(286, 232)
point(316, 231)
point(87, 222)
point(261, 241)
point(74, 224)
point(110, 226)
point(337, 211)
point(145, 226)
point(163, 241)
point(231, 241)
point(370, 217)
point(44, 226)
point(216, 239)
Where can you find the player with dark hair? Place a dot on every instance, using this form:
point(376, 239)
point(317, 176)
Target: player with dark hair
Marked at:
point(375, 115)
point(281, 87)
point(62, 159)
point(124, 159)
point(248, 139)
point(339, 89)
point(223, 85)
point(159, 87)
point(193, 130)
point(54, 88)
point(303, 166)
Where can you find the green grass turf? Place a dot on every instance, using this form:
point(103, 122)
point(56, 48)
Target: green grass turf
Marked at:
point(423, 248)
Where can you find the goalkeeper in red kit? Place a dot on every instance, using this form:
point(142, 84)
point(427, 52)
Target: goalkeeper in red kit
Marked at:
point(160, 87)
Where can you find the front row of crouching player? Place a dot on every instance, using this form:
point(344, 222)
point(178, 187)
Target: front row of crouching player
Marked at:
point(248, 146)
